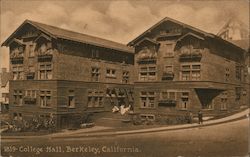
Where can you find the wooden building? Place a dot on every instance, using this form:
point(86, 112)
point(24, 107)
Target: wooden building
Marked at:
point(171, 68)
point(181, 68)
point(66, 74)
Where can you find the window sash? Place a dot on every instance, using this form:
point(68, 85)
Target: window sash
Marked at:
point(147, 99)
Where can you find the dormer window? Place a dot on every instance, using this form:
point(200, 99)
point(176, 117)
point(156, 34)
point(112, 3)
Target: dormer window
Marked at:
point(45, 48)
point(17, 52)
point(16, 49)
point(44, 45)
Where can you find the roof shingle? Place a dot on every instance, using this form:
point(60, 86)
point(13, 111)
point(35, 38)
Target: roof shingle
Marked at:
point(78, 37)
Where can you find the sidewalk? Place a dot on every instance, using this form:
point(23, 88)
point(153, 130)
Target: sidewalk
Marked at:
point(80, 131)
point(99, 131)
point(236, 116)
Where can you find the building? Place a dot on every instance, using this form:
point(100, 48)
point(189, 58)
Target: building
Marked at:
point(4, 90)
point(66, 74)
point(170, 69)
point(236, 32)
point(181, 68)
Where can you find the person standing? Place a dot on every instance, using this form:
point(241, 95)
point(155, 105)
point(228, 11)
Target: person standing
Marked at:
point(190, 117)
point(200, 116)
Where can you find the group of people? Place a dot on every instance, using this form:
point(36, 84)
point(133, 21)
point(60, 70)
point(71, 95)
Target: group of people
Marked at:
point(200, 117)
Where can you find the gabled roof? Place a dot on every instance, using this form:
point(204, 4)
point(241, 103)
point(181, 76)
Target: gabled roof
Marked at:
point(16, 41)
point(59, 33)
point(242, 43)
point(191, 34)
point(147, 39)
point(209, 35)
point(174, 21)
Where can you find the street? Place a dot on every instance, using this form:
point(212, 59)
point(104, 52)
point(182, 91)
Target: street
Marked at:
point(228, 139)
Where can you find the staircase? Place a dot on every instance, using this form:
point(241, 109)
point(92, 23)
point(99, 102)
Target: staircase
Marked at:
point(109, 119)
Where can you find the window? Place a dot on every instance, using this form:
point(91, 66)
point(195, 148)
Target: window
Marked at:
point(168, 95)
point(149, 117)
point(94, 53)
point(169, 50)
point(125, 77)
point(17, 52)
point(71, 99)
point(184, 100)
point(45, 71)
point(147, 73)
point(31, 51)
point(191, 72)
point(45, 48)
point(238, 72)
point(227, 74)
point(168, 68)
point(244, 92)
point(18, 73)
point(95, 98)
point(111, 73)
point(147, 99)
point(224, 101)
point(31, 73)
point(18, 97)
point(30, 93)
point(17, 116)
point(164, 95)
point(238, 91)
point(45, 98)
point(95, 74)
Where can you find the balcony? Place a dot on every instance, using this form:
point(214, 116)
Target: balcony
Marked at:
point(147, 61)
point(190, 57)
point(17, 59)
point(30, 75)
point(167, 103)
point(45, 56)
point(29, 100)
point(147, 56)
point(168, 76)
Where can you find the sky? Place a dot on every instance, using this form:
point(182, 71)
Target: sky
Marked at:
point(117, 20)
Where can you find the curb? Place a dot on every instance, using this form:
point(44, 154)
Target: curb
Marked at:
point(118, 133)
point(129, 132)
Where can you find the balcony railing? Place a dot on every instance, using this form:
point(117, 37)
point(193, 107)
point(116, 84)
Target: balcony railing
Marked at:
point(29, 100)
point(168, 76)
point(147, 56)
point(45, 56)
point(191, 57)
point(30, 75)
point(17, 60)
point(147, 61)
point(167, 103)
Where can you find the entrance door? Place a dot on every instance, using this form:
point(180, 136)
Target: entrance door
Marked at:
point(64, 122)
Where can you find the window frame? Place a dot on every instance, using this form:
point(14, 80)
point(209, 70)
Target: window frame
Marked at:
point(147, 72)
point(95, 98)
point(168, 52)
point(48, 67)
point(190, 73)
point(111, 73)
point(95, 74)
point(148, 97)
point(45, 94)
